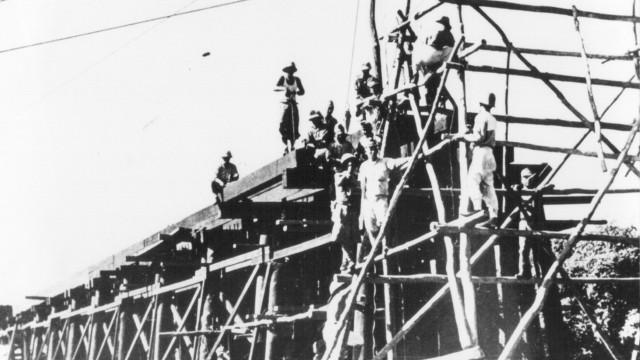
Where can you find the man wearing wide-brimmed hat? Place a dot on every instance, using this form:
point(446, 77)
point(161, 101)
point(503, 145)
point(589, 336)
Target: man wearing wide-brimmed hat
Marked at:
point(344, 213)
point(430, 58)
point(479, 185)
point(292, 87)
point(226, 173)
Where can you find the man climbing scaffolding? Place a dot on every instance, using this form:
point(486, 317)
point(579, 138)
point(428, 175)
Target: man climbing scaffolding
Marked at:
point(292, 87)
point(431, 57)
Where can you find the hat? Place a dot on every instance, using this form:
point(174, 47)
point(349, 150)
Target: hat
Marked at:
point(226, 155)
point(315, 115)
point(490, 101)
point(526, 172)
point(366, 66)
point(347, 157)
point(290, 69)
point(444, 21)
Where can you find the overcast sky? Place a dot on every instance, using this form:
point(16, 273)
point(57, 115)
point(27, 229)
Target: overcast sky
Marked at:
point(107, 138)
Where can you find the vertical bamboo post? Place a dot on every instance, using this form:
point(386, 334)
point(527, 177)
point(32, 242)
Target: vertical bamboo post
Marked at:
point(528, 317)
point(592, 101)
point(271, 336)
point(122, 332)
point(25, 344)
point(456, 298)
point(12, 342)
point(52, 341)
point(71, 337)
point(157, 348)
point(385, 224)
point(374, 39)
point(93, 337)
point(468, 289)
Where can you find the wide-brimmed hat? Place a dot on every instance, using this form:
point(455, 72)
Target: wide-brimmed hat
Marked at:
point(526, 172)
point(490, 101)
point(315, 116)
point(347, 157)
point(227, 155)
point(290, 68)
point(444, 21)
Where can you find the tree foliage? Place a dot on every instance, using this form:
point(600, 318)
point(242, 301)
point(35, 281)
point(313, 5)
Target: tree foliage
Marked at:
point(615, 306)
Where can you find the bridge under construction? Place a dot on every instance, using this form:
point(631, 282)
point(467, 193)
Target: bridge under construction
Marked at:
point(254, 277)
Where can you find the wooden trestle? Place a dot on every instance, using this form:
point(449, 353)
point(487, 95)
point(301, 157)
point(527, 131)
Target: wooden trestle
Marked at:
point(251, 279)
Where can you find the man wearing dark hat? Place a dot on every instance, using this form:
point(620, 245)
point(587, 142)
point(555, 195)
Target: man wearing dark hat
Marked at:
point(479, 185)
point(292, 87)
point(431, 58)
point(343, 211)
point(226, 173)
point(362, 89)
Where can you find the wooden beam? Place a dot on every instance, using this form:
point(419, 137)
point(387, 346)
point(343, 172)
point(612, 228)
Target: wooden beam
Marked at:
point(543, 75)
point(510, 119)
point(542, 9)
point(522, 145)
point(500, 48)
point(440, 278)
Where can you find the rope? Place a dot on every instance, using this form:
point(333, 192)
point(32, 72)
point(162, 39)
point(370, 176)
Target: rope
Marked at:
point(117, 27)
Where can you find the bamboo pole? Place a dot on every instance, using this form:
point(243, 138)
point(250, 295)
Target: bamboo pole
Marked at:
point(44, 341)
point(61, 337)
point(158, 329)
point(551, 86)
point(509, 280)
point(592, 101)
point(390, 211)
point(510, 119)
point(233, 312)
point(83, 333)
point(542, 234)
point(562, 150)
point(52, 340)
point(106, 334)
point(456, 298)
point(545, 76)
point(389, 308)
point(413, 321)
point(538, 302)
point(500, 48)
point(374, 38)
point(147, 312)
point(542, 9)
point(12, 342)
point(182, 322)
point(261, 287)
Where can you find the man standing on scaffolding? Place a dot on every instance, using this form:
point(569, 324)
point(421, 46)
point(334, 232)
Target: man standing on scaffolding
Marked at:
point(479, 184)
point(375, 176)
point(292, 87)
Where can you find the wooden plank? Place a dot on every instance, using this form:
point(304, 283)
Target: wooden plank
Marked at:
point(543, 9)
point(262, 177)
point(543, 75)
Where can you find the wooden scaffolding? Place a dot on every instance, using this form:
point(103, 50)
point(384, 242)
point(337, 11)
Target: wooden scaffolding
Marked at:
point(254, 282)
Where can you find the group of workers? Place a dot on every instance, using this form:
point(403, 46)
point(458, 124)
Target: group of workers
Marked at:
point(356, 160)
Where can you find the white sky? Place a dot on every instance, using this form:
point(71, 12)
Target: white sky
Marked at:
point(107, 138)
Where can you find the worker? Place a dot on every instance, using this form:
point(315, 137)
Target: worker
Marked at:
point(330, 122)
point(432, 57)
point(226, 173)
point(479, 185)
point(341, 145)
point(374, 176)
point(362, 89)
point(318, 136)
point(343, 212)
point(530, 217)
point(292, 87)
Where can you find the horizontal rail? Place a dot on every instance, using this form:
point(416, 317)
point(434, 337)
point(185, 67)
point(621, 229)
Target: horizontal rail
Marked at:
point(542, 75)
point(539, 234)
point(441, 278)
point(500, 48)
point(542, 9)
point(562, 150)
point(509, 119)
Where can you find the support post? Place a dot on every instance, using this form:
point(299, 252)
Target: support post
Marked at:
point(592, 101)
point(271, 334)
point(541, 295)
point(157, 339)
